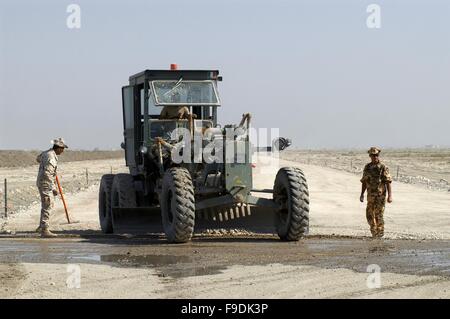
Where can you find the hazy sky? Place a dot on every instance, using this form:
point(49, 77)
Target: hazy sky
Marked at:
point(312, 68)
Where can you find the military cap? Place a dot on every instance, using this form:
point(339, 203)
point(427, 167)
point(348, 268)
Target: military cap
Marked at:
point(59, 142)
point(374, 151)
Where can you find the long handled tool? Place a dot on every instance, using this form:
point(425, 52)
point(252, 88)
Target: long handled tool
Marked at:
point(62, 197)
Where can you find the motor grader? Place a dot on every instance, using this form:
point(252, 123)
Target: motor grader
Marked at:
point(173, 176)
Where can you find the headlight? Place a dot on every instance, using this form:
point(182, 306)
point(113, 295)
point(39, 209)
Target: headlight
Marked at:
point(144, 149)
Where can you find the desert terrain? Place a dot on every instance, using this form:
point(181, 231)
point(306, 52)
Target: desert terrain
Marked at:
point(333, 261)
point(429, 168)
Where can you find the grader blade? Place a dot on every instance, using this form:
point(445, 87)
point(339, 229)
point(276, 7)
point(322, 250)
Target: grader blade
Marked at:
point(256, 219)
point(147, 221)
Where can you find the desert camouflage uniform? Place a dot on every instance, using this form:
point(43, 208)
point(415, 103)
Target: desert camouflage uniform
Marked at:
point(375, 177)
point(46, 183)
point(174, 112)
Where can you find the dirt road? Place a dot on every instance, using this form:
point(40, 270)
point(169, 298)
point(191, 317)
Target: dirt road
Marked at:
point(242, 267)
point(334, 261)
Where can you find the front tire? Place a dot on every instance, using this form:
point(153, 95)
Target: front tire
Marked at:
point(291, 193)
point(104, 204)
point(178, 205)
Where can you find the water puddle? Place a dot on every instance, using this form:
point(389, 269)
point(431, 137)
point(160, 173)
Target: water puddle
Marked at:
point(145, 260)
point(210, 258)
point(167, 265)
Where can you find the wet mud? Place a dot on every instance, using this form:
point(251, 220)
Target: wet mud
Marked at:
point(207, 255)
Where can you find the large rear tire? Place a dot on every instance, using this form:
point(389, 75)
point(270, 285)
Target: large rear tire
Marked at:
point(291, 193)
point(123, 194)
point(178, 205)
point(104, 203)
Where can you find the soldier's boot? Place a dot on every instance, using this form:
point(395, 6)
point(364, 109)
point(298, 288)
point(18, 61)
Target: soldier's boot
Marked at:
point(380, 233)
point(380, 227)
point(46, 233)
point(39, 229)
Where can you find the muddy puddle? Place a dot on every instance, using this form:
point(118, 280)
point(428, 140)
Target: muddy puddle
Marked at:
point(209, 256)
point(173, 266)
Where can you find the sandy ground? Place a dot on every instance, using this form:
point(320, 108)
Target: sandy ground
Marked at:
point(426, 167)
point(16, 158)
point(417, 219)
point(217, 268)
point(269, 281)
point(75, 176)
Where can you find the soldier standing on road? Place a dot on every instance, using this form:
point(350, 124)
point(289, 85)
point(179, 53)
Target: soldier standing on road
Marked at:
point(48, 163)
point(376, 179)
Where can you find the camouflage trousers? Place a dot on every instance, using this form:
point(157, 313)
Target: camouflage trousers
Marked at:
point(47, 203)
point(374, 214)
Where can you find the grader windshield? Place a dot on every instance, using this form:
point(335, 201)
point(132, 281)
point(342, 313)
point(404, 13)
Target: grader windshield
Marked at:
point(181, 92)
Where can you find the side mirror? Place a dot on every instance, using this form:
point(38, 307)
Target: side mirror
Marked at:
point(281, 144)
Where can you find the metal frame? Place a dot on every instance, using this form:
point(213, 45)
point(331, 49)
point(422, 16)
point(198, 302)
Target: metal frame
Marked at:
point(145, 79)
point(150, 75)
point(146, 97)
point(155, 97)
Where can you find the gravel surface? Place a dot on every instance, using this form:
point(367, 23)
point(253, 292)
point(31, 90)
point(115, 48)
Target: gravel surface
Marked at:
point(333, 261)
